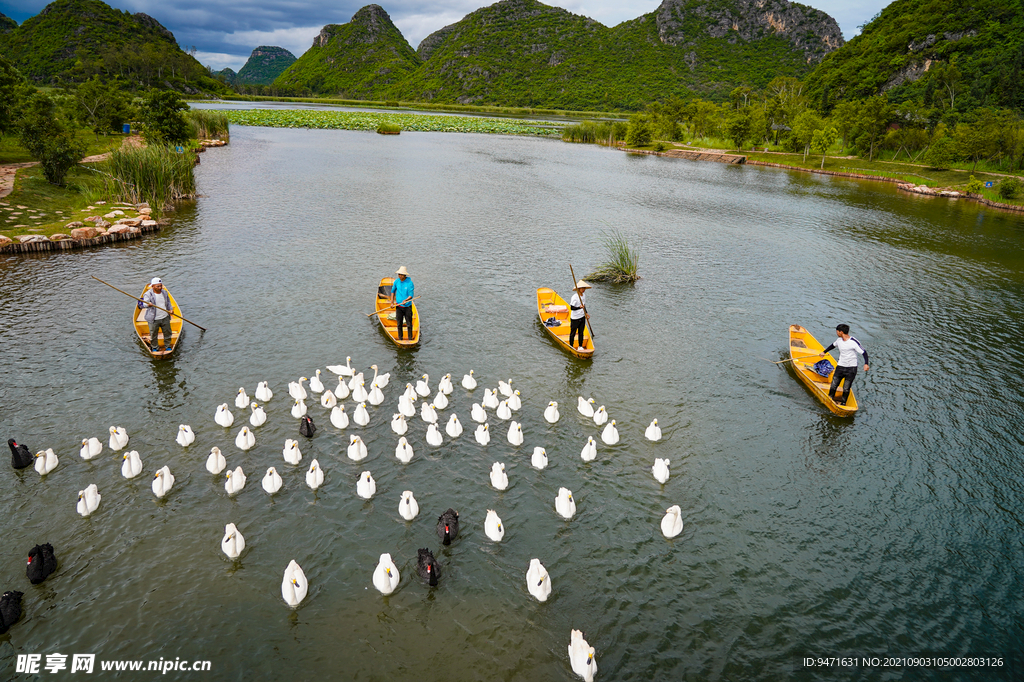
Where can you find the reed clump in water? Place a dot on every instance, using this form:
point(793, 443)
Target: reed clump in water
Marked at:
point(623, 260)
point(389, 129)
point(595, 132)
point(208, 125)
point(156, 175)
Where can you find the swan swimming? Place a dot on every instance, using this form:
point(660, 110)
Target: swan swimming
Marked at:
point(540, 458)
point(493, 527)
point(299, 409)
point(375, 396)
point(499, 479)
point(131, 466)
point(610, 435)
point(423, 386)
point(660, 470)
point(426, 566)
point(385, 576)
point(366, 487)
point(47, 461)
point(448, 526)
point(672, 522)
point(263, 392)
point(469, 381)
point(482, 434)
point(564, 504)
point(356, 380)
point(490, 400)
point(505, 387)
point(445, 385)
point(581, 656)
point(315, 475)
point(411, 393)
point(477, 413)
point(338, 417)
point(215, 463)
point(245, 440)
point(359, 393)
point(315, 384)
point(185, 435)
point(589, 452)
point(653, 431)
point(398, 424)
point(162, 482)
point(342, 370)
point(118, 438)
point(272, 481)
point(551, 413)
point(91, 447)
point(404, 451)
point(235, 481)
point(406, 407)
point(241, 398)
point(600, 416)
point(296, 390)
point(291, 452)
point(258, 416)
point(515, 401)
point(585, 407)
point(434, 437)
point(503, 411)
point(427, 413)
point(408, 507)
point(379, 381)
point(361, 416)
point(453, 428)
point(342, 391)
point(327, 399)
point(515, 433)
point(223, 416)
point(538, 581)
point(232, 543)
point(294, 586)
point(88, 500)
point(356, 449)
point(440, 401)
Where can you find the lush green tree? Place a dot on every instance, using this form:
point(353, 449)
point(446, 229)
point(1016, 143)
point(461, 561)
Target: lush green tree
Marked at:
point(844, 116)
point(12, 90)
point(942, 153)
point(740, 97)
point(104, 106)
point(806, 123)
point(739, 127)
point(163, 118)
point(703, 117)
point(822, 140)
point(974, 186)
point(873, 118)
point(1010, 188)
point(48, 136)
point(639, 133)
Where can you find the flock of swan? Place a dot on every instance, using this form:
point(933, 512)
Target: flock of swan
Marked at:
point(504, 401)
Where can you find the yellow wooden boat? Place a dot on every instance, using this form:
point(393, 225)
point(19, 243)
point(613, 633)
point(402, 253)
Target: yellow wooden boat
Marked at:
point(804, 351)
point(142, 327)
point(386, 316)
point(552, 308)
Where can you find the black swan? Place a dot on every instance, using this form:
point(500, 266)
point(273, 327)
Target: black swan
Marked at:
point(427, 567)
point(20, 456)
point(448, 526)
point(41, 563)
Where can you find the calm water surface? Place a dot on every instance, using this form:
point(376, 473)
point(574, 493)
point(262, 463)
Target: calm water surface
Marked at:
point(895, 532)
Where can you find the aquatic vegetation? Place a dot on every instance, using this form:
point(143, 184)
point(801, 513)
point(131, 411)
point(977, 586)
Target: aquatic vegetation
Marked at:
point(600, 132)
point(623, 260)
point(371, 120)
point(389, 129)
point(156, 175)
point(207, 124)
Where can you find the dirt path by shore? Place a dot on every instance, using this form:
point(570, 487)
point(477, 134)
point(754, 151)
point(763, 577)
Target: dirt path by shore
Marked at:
point(8, 172)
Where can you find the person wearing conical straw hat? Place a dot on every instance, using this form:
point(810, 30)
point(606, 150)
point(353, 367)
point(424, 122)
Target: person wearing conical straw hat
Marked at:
point(402, 293)
point(578, 316)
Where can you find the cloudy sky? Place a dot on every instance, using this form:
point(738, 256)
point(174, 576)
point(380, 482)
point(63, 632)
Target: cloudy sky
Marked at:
point(224, 32)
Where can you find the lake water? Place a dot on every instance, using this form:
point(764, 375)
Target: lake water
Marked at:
point(897, 531)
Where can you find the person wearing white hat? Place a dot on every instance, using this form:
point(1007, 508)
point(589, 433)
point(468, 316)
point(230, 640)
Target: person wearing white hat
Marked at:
point(402, 293)
point(159, 320)
point(579, 316)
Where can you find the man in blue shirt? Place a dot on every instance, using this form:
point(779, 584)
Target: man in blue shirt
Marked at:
point(402, 293)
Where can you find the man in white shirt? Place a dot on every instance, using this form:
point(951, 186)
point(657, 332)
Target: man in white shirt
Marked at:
point(154, 299)
point(846, 368)
point(578, 316)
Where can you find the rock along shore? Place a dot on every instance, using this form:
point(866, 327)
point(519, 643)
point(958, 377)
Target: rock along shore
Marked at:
point(84, 236)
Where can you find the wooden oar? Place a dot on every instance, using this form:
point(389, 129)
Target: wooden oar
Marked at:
point(586, 315)
point(779, 362)
point(148, 304)
point(393, 305)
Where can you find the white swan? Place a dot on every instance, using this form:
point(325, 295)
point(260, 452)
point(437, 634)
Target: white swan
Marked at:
point(499, 479)
point(564, 504)
point(327, 399)
point(366, 487)
point(515, 433)
point(232, 543)
point(515, 401)
point(118, 438)
point(379, 381)
point(540, 458)
point(291, 452)
point(490, 400)
point(356, 449)
point(503, 411)
point(47, 461)
point(91, 447)
point(505, 387)
point(585, 407)
point(581, 656)
point(375, 396)
point(263, 392)
point(469, 381)
point(245, 440)
point(385, 576)
point(215, 463)
point(600, 416)
point(411, 393)
point(296, 390)
point(551, 412)
point(404, 451)
point(162, 482)
point(434, 437)
point(359, 393)
point(453, 428)
point(258, 416)
point(445, 385)
point(338, 417)
point(361, 417)
point(398, 424)
point(653, 431)
point(315, 384)
point(294, 585)
point(660, 470)
point(538, 581)
point(477, 413)
point(88, 500)
point(610, 435)
point(241, 398)
point(342, 370)
point(493, 527)
point(185, 435)
point(131, 466)
point(423, 386)
point(406, 407)
point(440, 401)
point(356, 379)
point(482, 434)
point(298, 409)
point(315, 475)
point(589, 451)
point(408, 507)
point(223, 416)
point(672, 522)
point(428, 413)
point(235, 481)
point(342, 391)
point(272, 480)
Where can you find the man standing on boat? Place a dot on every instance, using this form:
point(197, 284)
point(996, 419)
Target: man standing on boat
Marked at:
point(402, 293)
point(158, 319)
point(578, 316)
point(849, 347)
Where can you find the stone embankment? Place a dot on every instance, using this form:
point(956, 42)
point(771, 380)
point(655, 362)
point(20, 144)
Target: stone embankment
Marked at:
point(692, 155)
point(932, 192)
point(81, 236)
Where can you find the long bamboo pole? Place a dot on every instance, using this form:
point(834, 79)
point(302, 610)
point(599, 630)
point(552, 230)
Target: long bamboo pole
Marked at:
point(393, 305)
point(585, 313)
point(149, 304)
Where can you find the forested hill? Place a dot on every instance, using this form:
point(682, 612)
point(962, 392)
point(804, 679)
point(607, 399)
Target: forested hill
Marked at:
point(265, 64)
point(526, 53)
point(951, 54)
point(6, 23)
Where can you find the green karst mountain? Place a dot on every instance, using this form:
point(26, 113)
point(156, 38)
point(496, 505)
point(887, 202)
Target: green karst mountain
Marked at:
point(6, 23)
point(264, 65)
point(525, 53)
point(970, 52)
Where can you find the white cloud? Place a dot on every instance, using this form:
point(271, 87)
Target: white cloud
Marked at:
point(220, 60)
point(296, 40)
point(416, 27)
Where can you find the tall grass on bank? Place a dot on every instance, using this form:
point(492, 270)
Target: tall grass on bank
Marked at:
point(155, 175)
point(623, 260)
point(599, 132)
point(207, 124)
